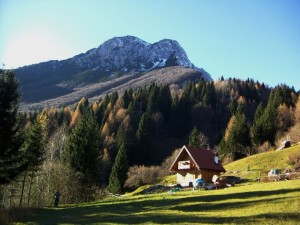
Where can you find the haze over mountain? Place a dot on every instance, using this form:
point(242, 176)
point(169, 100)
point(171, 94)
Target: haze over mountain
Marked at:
point(103, 69)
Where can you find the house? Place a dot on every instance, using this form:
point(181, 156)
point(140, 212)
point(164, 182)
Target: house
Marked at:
point(192, 163)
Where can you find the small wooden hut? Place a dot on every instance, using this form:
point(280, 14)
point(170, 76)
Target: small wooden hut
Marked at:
point(192, 163)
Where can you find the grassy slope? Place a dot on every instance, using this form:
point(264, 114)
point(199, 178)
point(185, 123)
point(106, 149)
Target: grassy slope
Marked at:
point(258, 203)
point(261, 164)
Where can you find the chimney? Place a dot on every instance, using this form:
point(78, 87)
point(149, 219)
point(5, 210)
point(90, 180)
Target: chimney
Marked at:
point(216, 158)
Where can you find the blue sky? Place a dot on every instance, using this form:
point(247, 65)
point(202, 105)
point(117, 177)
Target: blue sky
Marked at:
point(233, 38)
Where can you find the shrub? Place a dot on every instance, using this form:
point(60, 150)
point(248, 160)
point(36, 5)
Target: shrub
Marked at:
point(294, 160)
point(167, 163)
point(142, 175)
point(266, 146)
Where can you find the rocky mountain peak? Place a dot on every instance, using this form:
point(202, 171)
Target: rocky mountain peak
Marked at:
point(131, 53)
point(126, 56)
point(118, 42)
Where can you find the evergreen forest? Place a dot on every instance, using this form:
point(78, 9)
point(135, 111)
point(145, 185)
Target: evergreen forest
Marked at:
point(88, 150)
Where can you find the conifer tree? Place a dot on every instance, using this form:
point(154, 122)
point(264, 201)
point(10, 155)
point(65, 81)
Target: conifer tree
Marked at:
point(210, 98)
point(118, 174)
point(143, 139)
point(223, 148)
point(11, 135)
point(256, 131)
point(236, 136)
point(194, 138)
point(135, 113)
point(165, 101)
point(34, 148)
point(34, 145)
point(270, 115)
point(152, 105)
point(126, 99)
point(83, 150)
point(113, 98)
point(197, 139)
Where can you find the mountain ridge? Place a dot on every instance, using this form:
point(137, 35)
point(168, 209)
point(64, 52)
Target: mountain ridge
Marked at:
point(114, 58)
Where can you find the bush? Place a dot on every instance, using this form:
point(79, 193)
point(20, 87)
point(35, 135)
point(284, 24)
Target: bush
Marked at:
point(142, 175)
point(265, 147)
point(167, 163)
point(294, 160)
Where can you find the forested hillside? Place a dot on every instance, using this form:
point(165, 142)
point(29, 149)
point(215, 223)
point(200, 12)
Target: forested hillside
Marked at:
point(94, 145)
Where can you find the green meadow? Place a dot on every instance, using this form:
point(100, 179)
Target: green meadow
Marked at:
point(247, 203)
point(257, 166)
point(257, 203)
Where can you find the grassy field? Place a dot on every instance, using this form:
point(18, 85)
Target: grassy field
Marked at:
point(257, 203)
point(261, 164)
point(248, 203)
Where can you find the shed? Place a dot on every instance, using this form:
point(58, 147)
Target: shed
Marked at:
point(193, 163)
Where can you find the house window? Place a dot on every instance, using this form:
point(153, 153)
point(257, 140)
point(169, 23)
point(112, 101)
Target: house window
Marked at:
point(184, 165)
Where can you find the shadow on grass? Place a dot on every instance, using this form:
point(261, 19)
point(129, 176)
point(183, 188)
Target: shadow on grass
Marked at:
point(162, 211)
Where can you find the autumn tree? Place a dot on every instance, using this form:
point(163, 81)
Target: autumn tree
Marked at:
point(284, 118)
point(81, 107)
point(297, 111)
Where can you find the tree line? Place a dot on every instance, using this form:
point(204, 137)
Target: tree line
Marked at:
point(88, 149)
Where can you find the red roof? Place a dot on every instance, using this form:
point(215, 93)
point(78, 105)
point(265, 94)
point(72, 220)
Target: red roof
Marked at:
point(203, 158)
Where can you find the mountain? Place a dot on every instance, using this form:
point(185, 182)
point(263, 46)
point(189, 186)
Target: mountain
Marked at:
point(119, 59)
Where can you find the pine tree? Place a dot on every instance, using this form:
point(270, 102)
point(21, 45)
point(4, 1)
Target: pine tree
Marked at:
point(256, 131)
point(270, 115)
point(126, 99)
point(179, 117)
point(83, 149)
point(210, 98)
point(34, 148)
point(118, 174)
point(144, 139)
point(152, 105)
point(113, 98)
point(197, 139)
point(194, 138)
point(34, 145)
point(238, 137)
point(165, 101)
point(11, 135)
